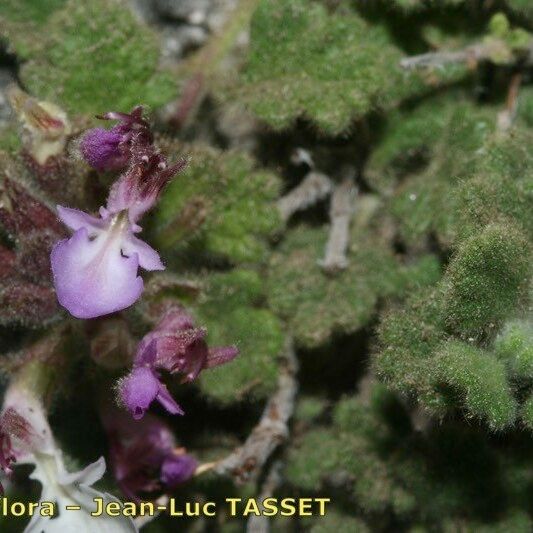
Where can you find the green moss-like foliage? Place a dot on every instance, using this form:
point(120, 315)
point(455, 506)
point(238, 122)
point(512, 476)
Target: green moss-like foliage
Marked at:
point(448, 173)
point(232, 309)
point(91, 55)
point(219, 206)
point(328, 67)
point(486, 280)
point(423, 4)
point(484, 286)
point(33, 11)
point(309, 408)
point(480, 378)
point(522, 6)
point(517, 522)
point(527, 412)
point(351, 448)
point(408, 336)
point(424, 203)
point(439, 476)
point(514, 345)
point(408, 142)
point(310, 460)
point(316, 305)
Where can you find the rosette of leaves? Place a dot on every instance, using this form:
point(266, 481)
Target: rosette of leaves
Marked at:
point(385, 469)
point(85, 55)
point(329, 67)
point(462, 345)
point(220, 207)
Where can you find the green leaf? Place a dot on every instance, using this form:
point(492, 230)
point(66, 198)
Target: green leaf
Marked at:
point(514, 345)
point(232, 309)
point(486, 281)
point(328, 67)
point(93, 56)
point(315, 305)
point(481, 380)
point(219, 206)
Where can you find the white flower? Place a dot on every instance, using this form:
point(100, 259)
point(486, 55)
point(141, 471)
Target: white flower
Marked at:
point(75, 488)
point(25, 428)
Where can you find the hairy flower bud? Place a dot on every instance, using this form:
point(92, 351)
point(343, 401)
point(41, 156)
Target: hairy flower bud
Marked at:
point(177, 347)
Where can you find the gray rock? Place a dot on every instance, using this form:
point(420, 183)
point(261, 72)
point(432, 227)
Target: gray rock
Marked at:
point(192, 11)
point(177, 40)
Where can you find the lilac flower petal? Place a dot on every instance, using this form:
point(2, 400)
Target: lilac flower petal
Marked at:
point(148, 258)
point(91, 277)
point(221, 355)
point(166, 400)
point(76, 219)
point(139, 389)
point(177, 469)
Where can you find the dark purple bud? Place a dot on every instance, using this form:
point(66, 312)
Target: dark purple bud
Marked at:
point(176, 469)
point(111, 149)
point(180, 347)
point(144, 456)
point(102, 149)
point(219, 356)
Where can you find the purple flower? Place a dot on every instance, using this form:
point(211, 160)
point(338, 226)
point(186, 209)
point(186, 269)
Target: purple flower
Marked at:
point(102, 149)
point(144, 457)
point(110, 149)
point(177, 347)
point(141, 387)
point(95, 271)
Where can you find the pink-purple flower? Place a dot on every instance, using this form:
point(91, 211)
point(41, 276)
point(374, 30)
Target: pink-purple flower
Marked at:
point(111, 149)
point(174, 346)
point(96, 270)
